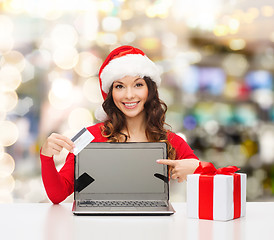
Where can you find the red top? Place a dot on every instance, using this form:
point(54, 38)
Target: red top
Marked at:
point(59, 185)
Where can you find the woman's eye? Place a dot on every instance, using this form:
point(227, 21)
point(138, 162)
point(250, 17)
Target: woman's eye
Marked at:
point(119, 86)
point(139, 85)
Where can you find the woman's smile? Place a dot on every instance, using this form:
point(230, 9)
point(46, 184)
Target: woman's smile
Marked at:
point(130, 105)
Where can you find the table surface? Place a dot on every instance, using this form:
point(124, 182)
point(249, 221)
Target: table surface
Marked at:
point(50, 222)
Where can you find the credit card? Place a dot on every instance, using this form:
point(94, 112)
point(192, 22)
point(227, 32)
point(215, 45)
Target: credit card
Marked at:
point(81, 140)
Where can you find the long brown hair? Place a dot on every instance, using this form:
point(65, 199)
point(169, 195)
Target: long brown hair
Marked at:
point(155, 110)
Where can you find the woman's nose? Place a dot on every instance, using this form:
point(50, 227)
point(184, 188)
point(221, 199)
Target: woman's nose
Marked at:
point(129, 93)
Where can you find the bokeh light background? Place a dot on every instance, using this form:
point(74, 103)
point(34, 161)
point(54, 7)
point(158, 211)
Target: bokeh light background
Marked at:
point(217, 63)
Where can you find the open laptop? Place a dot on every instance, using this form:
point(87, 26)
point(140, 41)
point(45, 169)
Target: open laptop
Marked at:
point(121, 179)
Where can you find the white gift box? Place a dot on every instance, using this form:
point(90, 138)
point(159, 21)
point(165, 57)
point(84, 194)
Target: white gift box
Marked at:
point(220, 189)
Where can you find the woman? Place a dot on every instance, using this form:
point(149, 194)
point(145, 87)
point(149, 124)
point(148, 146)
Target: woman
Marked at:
point(131, 112)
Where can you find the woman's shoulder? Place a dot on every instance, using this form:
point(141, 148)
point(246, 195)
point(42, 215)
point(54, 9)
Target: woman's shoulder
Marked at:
point(171, 136)
point(96, 131)
point(95, 127)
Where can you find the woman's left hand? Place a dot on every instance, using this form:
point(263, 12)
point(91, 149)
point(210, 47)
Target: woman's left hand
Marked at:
point(180, 168)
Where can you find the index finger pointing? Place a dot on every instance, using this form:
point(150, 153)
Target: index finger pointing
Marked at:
point(166, 162)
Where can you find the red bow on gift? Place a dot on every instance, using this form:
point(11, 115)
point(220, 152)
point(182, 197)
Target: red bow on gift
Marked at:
point(206, 186)
point(207, 168)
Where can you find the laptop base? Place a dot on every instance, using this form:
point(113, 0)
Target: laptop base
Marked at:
point(123, 211)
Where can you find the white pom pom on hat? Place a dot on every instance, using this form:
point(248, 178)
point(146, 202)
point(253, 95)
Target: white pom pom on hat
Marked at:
point(124, 61)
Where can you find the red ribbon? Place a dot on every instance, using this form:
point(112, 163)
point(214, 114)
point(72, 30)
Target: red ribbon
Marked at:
point(208, 171)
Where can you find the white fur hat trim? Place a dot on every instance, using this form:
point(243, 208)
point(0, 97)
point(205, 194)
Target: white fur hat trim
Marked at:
point(129, 65)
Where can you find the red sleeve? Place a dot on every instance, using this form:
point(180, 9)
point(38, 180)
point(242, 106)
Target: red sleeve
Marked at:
point(183, 150)
point(58, 185)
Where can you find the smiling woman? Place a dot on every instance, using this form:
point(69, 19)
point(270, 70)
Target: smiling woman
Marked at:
point(130, 95)
point(131, 112)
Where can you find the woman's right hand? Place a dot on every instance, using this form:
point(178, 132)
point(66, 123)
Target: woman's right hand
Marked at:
point(55, 143)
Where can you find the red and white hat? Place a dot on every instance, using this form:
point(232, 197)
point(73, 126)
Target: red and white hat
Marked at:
point(124, 61)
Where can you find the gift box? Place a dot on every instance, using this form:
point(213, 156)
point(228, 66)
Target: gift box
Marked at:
point(216, 194)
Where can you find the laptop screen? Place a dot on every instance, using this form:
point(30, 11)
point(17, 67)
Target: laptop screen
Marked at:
point(123, 170)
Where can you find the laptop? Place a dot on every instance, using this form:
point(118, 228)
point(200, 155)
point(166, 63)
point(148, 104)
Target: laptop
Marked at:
point(121, 179)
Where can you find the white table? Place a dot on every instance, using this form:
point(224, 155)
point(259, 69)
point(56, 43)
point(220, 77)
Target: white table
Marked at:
point(50, 222)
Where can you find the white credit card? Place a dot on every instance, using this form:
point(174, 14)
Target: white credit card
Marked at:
point(81, 140)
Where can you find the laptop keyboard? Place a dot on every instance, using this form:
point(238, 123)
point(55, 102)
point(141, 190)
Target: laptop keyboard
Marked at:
point(122, 203)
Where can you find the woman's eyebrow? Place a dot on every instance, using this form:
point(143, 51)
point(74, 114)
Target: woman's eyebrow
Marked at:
point(118, 82)
point(138, 79)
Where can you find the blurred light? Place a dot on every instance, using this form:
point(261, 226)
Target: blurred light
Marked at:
point(65, 57)
point(245, 115)
point(14, 59)
point(263, 97)
point(254, 12)
point(6, 25)
point(108, 38)
point(150, 43)
point(79, 118)
point(238, 14)
point(10, 78)
point(204, 21)
point(266, 141)
point(151, 12)
point(7, 184)
point(61, 88)
point(6, 197)
point(3, 115)
point(35, 193)
point(212, 127)
point(64, 34)
point(233, 26)
point(40, 58)
point(267, 59)
point(6, 43)
point(170, 40)
point(53, 14)
point(166, 95)
point(253, 188)
point(9, 133)
point(87, 25)
point(1, 151)
point(190, 122)
point(111, 24)
point(24, 106)
point(126, 14)
point(158, 9)
point(129, 37)
point(59, 103)
point(235, 65)
point(248, 18)
point(28, 72)
point(267, 11)
point(260, 174)
point(272, 37)
point(14, 6)
point(220, 30)
point(232, 89)
point(87, 65)
point(7, 165)
point(105, 6)
point(237, 44)
point(45, 8)
point(91, 90)
point(8, 100)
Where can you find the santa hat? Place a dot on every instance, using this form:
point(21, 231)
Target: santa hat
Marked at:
point(124, 61)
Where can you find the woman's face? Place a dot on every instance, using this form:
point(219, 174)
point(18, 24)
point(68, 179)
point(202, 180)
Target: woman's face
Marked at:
point(129, 95)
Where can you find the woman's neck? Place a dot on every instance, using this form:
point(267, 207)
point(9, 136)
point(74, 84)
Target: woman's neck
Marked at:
point(136, 129)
